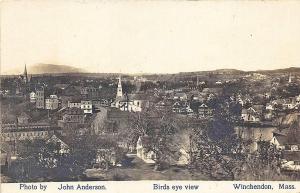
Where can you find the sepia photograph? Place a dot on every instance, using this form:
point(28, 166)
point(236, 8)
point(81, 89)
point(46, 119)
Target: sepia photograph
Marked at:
point(98, 90)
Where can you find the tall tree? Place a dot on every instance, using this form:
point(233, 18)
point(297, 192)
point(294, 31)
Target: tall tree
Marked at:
point(159, 128)
point(218, 150)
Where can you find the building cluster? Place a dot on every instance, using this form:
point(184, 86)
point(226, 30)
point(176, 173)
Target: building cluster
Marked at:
point(84, 108)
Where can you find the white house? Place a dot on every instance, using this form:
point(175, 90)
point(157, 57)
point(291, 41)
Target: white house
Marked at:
point(32, 97)
point(87, 107)
point(143, 150)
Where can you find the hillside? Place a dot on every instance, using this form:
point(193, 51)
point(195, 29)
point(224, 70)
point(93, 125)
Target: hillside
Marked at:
point(53, 69)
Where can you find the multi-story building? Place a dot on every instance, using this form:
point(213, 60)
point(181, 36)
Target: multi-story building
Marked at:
point(72, 117)
point(19, 133)
point(74, 103)
point(40, 98)
point(52, 102)
point(87, 107)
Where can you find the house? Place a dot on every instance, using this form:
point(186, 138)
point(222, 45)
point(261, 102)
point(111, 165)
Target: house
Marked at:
point(164, 105)
point(255, 133)
point(204, 111)
point(61, 146)
point(32, 97)
point(180, 96)
point(74, 103)
point(51, 102)
point(279, 141)
point(100, 103)
point(219, 82)
point(87, 106)
point(288, 141)
point(289, 103)
point(188, 110)
point(177, 106)
point(244, 100)
point(50, 159)
point(143, 150)
point(133, 102)
point(72, 117)
point(253, 114)
point(139, 102)
point(182, 107)
point(270, 106)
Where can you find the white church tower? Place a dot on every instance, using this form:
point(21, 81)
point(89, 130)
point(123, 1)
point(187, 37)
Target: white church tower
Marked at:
point(290, 78)
point(119, 90)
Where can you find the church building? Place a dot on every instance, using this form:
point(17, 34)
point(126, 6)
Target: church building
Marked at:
point(130, 102)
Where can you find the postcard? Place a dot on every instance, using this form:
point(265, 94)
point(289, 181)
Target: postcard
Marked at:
point(153, 96)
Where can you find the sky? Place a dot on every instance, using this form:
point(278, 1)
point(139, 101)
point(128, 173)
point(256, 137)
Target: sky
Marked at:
point(150, 36)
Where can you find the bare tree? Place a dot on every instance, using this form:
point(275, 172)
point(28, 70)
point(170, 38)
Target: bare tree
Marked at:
point(159, 127)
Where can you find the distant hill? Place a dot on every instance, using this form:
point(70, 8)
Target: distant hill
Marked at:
point(53, 69)
point(284, 70)
point(59, 70)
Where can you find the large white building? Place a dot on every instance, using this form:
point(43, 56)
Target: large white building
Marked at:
point(130, 102)
point(87, 107)
point(52, 102)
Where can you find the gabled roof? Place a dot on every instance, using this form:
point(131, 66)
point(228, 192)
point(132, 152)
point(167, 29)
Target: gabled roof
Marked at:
point(55, 139)
point(203, 105)
point(282, 140)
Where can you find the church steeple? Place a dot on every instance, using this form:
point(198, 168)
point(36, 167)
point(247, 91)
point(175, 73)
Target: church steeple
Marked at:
point(25, 77)
point(119, 90)
point(290, 78)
